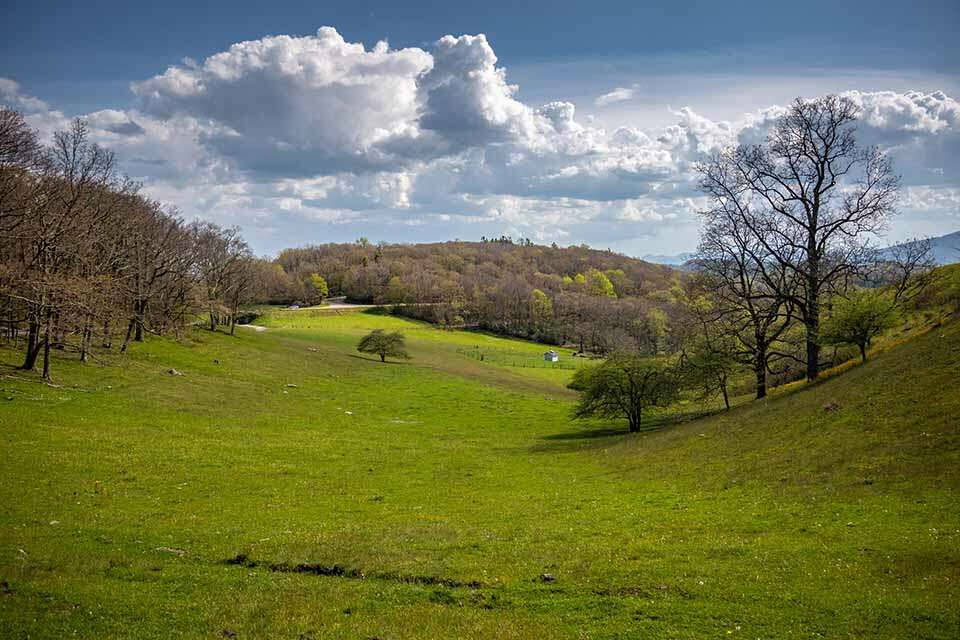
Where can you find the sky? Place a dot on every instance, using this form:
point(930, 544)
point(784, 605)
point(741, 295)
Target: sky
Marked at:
point(564, 122)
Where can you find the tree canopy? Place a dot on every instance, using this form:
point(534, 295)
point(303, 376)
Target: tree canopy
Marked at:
point(859, 318)
point(384, 344)
point(808, 199)
point(623, 386)
point(318, 288)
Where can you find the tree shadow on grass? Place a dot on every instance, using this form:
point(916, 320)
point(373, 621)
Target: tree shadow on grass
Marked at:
point(582, 439)
point(591, 437)
point(377, 359)
point(587, 434)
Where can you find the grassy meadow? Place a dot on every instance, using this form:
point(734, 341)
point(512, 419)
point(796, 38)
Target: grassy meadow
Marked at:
point(286, 486)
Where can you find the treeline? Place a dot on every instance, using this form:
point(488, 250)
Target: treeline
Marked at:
point(599, 300)
point(86, 259)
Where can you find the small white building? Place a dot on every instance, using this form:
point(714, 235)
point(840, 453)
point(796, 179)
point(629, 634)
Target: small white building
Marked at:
point(551, 356)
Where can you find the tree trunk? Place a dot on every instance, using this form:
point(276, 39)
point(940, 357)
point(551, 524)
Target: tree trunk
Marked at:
point(634, 422)
point(760, 370)
point(126, 338)
point(107, 338)
point(47, 335)
point(863, 352)
point(726, 397)
point(811, 316)
point(213, 320)
point(383, 357)
point(140, 311)
point(85, 341)
point(813, 352)
point(33, 346)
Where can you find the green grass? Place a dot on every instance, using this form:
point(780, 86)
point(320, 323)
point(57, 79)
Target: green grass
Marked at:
point(438, 491)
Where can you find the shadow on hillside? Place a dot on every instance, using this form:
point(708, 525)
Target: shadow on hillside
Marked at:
point(587, 434)
point(376, 359)
point(588, 438)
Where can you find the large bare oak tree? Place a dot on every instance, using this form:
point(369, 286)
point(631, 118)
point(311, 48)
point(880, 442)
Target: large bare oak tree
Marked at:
point(811, 197)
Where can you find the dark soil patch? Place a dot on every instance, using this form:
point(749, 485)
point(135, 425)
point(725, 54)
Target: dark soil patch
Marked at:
point(339, 571)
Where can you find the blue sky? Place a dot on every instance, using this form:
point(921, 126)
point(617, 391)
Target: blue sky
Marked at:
point(569, 122)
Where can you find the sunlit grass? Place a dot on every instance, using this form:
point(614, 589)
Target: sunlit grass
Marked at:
point(446, 488)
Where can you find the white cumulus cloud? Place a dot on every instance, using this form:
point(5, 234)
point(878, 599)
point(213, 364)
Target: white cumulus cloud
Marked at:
point(282, 133)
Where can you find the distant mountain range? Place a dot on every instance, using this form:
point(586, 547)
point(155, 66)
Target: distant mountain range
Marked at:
point(945, 249)
point(675, 260)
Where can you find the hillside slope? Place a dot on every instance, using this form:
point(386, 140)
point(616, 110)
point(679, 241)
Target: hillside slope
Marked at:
point(894, 423)
point(286, 487)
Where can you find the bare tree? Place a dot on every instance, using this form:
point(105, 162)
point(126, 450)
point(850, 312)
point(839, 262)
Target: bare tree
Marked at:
point(220, 255)
point(751, 295)
point(811, 197)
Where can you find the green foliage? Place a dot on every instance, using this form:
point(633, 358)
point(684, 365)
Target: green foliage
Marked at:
point(618, 278)
point(623, 387)
point(541, 308)
point(318, 288)
point(598, 284)
point(396, 292)
point(384, 344)
point(657, 326)
point(859, 318)
point(708, 363)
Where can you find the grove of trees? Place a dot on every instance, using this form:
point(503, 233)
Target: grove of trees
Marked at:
point(786, 243)
point(86, 258)
point(599, 300)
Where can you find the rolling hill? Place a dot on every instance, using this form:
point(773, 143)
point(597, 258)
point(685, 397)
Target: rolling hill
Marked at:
point(285, 486)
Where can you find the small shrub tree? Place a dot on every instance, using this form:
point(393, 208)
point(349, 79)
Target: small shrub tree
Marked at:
point(859, 318)
point(707, 363)
point(384, 344)
point(622, 387)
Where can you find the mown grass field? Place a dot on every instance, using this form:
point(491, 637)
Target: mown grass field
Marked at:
point(426, 499)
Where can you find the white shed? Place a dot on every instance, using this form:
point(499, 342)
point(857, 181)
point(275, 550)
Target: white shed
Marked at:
point(551, 356)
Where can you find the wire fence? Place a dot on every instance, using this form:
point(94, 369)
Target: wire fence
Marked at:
point(514, 359)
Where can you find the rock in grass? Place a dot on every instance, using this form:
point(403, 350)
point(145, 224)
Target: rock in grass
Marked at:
point(174, 372)
point(830, 407)
point(547, 577)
